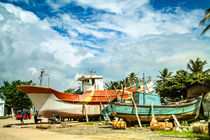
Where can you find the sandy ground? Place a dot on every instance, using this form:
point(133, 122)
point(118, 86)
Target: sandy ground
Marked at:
point(77, 131)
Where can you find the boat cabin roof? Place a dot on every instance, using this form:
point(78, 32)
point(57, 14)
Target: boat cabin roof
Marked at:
point(85, 77)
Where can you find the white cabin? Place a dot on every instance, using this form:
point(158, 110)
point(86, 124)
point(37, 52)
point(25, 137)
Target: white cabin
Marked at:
point(91, 82)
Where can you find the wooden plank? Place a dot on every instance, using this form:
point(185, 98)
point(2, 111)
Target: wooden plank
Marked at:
point(85, 111)
point(153, 114)
point(117, 93)
point(152, 107)
point(177, 122)
point(122, 93)
point(105, 117)
point(112, 93)
point(137, 116)
point(107, 96)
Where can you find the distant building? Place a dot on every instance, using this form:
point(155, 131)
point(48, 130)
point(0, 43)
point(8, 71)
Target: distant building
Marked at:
point(199, 89)
point(196, 89)
point(2, 103)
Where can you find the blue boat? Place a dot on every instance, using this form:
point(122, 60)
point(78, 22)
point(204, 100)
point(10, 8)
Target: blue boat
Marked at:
point(183, 110)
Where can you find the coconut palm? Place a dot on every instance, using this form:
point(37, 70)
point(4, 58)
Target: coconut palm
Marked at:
point(197, 66)
point(112, 85)
point(131, 80)
point(204, 20)
point(165, 75)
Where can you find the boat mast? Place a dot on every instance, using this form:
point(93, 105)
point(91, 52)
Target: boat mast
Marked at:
point(144, 88)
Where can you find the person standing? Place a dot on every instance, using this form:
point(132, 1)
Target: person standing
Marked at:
point(22, 116)
point(35, 117)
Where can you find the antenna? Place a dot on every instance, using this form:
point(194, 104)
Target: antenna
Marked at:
point(91, 72)
point(41, 77)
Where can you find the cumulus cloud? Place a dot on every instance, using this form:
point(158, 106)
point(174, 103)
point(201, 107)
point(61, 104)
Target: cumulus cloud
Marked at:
point(27, 44)
point(128, 36)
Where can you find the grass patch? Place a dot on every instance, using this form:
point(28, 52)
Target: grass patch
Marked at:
point(183, 133)
point(92, 123)
point(5, 117)
point(145, 125)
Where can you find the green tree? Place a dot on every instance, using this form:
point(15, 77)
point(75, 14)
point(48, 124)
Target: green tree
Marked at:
point(112, 85)
point(204, 20)
point(197, 67)
point(128, 82)
point(15, 98)
point(69, 90)
point(131, 80)
point(175, 85)
point(164, 74)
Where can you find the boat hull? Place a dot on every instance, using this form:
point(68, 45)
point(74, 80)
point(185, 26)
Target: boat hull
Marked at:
point(49, 102)
point(147, 118)
point(184, 111)
point(49, 105)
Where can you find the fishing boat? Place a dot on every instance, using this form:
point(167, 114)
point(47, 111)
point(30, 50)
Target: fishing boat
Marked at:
point(147, 103)
point(49, 102)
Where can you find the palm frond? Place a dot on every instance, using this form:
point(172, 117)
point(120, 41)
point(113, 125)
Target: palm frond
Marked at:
point(205, 30)
point(207, 71)
point(207, 11)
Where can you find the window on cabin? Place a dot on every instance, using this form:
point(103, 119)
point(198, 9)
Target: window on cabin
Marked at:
point(93, 81)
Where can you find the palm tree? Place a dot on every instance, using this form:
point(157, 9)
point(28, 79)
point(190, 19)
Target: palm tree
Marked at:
point(197, 66)
point(69, 90)
point(207, 17)
point(112, 85)
point(131, 80)
point(165, 75)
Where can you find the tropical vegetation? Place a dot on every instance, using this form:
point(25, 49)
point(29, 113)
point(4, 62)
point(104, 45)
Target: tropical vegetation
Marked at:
point(70, 90)
point(14, 98)
point(129, 82)
point(204, 20)
point(175, 85)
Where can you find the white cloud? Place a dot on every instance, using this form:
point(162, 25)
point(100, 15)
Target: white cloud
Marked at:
point(139, 39)
point(27, 44)
point(27, 17)
point(33, 70)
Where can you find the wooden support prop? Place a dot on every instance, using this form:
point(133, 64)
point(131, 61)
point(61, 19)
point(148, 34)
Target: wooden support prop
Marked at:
point(177, 122)
point(107, 96)
point(117, 93)
point(122, 93)
point(112, 93)
point(109, 120)
point(85, 111)
point(137, 116)
point(152, 107)
point(153, 114)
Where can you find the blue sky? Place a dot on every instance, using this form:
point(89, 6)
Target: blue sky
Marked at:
point(112, 37)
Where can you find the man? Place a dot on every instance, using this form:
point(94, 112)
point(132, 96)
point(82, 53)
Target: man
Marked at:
point(22, 116)
point(35, 117)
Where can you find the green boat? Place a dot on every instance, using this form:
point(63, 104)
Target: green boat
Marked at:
point(183, 110)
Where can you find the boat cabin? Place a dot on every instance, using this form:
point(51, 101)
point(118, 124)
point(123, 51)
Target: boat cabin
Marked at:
point(91, 82)
point(146, 98)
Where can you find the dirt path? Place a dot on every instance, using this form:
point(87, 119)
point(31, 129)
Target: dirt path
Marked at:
point(76, 132)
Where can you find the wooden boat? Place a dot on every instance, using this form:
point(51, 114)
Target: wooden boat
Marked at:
point(183, 110)
point(50, 102)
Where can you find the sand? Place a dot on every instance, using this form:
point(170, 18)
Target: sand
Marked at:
point(77, 131)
